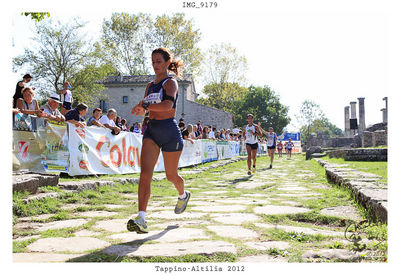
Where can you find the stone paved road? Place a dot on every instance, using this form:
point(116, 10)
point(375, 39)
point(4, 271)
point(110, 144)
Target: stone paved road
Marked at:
point(288, 213)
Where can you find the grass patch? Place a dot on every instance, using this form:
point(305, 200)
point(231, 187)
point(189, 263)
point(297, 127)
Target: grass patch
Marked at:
point(19, 246)
point(374, 167)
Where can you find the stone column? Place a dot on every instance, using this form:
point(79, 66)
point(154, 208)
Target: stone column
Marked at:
point(353, 110)
point(361, 114)
point(347, 121)
point(353, 115)
point(384, 115)
point(385, 119)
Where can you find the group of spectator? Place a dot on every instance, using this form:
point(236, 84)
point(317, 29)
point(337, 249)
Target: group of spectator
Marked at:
point(24, 102)
point(192, 132)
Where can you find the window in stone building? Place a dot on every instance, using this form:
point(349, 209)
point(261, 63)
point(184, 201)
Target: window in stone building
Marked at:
point(125, 99)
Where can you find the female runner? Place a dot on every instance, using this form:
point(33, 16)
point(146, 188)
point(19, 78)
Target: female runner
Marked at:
point(162, 132)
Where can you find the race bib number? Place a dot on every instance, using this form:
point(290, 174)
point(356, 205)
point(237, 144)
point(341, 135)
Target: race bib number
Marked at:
point(153, 98)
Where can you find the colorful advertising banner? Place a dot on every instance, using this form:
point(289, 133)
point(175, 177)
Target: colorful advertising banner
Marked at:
point(94, 150)
point(209, 150)
point(56, 156)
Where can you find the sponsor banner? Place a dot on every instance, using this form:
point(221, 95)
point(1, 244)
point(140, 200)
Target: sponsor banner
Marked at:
point(191, 153)
point(94, 150)
point(235, 148)
point(223, 150)
point(286, 136)
point(29, 142)
point(209, 150)
point(56, 155)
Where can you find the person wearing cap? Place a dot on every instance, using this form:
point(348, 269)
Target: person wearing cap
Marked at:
point(18, 90)
point(50, 109)
point(68, 100)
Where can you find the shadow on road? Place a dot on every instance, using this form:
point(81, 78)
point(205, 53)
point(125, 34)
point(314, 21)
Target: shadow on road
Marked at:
point(123, 248)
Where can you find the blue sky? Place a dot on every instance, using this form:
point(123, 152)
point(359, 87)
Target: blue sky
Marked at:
point(329, 54)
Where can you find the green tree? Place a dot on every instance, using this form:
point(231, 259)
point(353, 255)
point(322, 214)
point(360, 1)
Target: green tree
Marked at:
point(224, 64)
point(181, 37)
point(264, 104)
point(37, 16)
point(313, 120)
point(126, 41)
point(60, 54)
point(222, 96)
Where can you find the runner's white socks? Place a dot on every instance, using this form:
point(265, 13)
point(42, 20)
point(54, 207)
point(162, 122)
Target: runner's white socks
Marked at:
point(142, 214)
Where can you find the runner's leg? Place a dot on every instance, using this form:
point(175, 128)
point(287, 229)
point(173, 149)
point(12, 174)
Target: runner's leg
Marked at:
point(148, 159)
point(248, 149)
point(171, 160)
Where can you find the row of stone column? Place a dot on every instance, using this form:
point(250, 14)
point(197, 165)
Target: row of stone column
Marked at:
point(361, 116)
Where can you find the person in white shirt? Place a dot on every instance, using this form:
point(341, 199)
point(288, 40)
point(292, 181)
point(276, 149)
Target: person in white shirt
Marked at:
point(251, 132)
point(211, 134)
point(50, 109)
point(108, 121)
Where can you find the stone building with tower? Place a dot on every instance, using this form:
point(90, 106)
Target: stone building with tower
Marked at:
point(123, 92)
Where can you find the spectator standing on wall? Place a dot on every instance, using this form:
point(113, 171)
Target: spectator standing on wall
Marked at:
point(20, 85)
point(50, 109)
point(182, 117)
point(67, 98)
point(108, 121)
point(76, 115)
point(199, 128)
point(27, 104)
point(94, 119)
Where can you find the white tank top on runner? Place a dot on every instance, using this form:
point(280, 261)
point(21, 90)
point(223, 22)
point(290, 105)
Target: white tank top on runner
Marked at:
point(250, 138)
point(271, 139)
point(68, 96)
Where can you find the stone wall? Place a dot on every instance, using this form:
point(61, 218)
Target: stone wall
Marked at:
point(331, 142)
point(359, 154)
point(373, 139)
point(133, 87)
point(365, 187)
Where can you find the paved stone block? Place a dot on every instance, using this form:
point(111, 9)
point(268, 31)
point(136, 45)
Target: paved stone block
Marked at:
point(220, 208)
point(170, 234)
point(236, 232)
point(305, 230)
point(115, 225)
point(171, 215)
point(74, 244)
point(42, 257)
point(93, 214)
point(276, 210)
point(234, 218)
point(348, 211)
point(49, 226)
point(166, 249)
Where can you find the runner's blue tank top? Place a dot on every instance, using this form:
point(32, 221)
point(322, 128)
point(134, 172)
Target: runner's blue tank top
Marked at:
point(156, 93)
